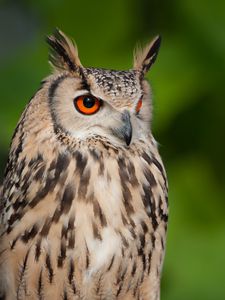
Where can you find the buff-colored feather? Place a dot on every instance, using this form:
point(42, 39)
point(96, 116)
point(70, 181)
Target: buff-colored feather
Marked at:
point(145, 57)
point(64, 52)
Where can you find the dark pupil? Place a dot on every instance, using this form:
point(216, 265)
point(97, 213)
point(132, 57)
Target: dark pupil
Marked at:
point(89, 102)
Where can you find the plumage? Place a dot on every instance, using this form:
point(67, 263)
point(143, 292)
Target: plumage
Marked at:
point(144, 58)
point(84, 200)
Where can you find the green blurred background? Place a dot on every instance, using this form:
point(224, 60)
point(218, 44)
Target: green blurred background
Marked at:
point(189, 108)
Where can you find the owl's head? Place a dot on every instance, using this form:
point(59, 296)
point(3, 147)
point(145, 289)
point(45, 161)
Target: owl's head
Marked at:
point(89, 102)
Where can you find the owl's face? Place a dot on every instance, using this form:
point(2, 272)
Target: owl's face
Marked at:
point(112, 104)
point(88, 102)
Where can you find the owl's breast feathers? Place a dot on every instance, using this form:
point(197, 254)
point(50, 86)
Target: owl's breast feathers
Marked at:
point(84, 221)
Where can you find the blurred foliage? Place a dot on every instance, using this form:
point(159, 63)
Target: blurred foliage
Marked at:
point(189, 108)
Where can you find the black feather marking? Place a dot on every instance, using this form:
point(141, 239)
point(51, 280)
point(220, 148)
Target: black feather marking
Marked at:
point(50, 183)
point(62, 163)
point(71, 271)
point(62, 255)
point(67, 199)
point(87, 257)
point(29, 234)
point(119, 289)
point(96, 233)
point(149, 261)
point(40, 286)
point(149, 203)
point(53, 87)
point(127, 197)
point(144, 226)
point(163, 216)
point(38, 250)
point(84, 83)
point(150, 178)
point(64, 232)
point(51, 93)
point(81, 162)
point(121, 280)
point(124, 177)
point(71, 241)
point(152, 54)
point(83, 186)
point(142, 240)
point(95, 154)
point(133, 232)
point(25, 262)
point(160, 168)
point(39, 174)
point(49, 268)
point(58, 51)
point(134, 268)
point(146, 158)
point(111, 263)
point(101, 167)
point(71, 275)
point(123, 169)
point(57, 215)
point(65, 297)
point(48, 187)
point(14, 243)
point(132, 174)
point(15, 217)
point(46, 227)
point(124, 220)
point(70, 233)
point(98, 213)
point(71, 223)
point(154, 48)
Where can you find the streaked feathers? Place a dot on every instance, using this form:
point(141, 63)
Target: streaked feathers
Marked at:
point(63, 52)
point(83, 213)
point(144, 58)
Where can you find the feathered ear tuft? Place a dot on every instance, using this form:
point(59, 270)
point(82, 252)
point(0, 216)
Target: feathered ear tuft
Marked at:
point(63, 52)
point(144, 58)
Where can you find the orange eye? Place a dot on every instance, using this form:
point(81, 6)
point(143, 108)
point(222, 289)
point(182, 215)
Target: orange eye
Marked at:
point(87, 104)
point(139, 105)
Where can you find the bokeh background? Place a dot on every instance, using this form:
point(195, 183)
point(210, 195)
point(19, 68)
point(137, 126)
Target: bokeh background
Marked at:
point(188, 82)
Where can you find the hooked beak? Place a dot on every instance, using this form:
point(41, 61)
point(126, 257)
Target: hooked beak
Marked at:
point(125, 131)
point(127, 128)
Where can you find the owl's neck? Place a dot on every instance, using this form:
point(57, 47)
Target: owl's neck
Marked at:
point(103, 144)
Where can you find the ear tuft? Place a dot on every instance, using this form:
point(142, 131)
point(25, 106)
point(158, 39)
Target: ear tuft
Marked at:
point(63, 52)
point(144, 58)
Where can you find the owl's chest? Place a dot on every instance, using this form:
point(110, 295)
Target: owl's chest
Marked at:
point(111, 217)
point(94, 218)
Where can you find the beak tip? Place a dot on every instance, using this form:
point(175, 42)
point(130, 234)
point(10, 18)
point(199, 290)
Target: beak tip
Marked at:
point(128, 139)
point(127, 129)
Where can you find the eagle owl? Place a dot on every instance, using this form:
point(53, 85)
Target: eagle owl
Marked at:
point(84, 198)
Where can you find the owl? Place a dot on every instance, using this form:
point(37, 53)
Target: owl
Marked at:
point(83, 204)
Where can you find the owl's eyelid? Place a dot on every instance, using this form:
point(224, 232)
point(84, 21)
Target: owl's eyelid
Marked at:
point(140, 98)
point(138, 105)
point(81, 93)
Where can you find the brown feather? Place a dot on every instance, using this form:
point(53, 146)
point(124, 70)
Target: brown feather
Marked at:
point(144, 58)
point(63, 52)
